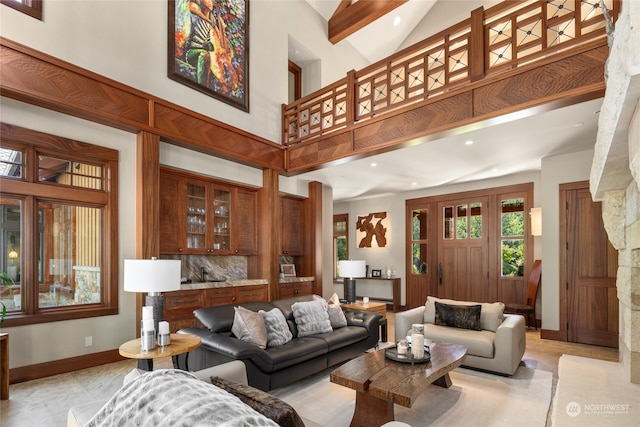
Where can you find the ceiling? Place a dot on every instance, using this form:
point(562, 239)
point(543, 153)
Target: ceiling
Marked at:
point(512, 145)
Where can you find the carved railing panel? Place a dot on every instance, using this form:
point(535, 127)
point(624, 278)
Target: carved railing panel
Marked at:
point(512, 33)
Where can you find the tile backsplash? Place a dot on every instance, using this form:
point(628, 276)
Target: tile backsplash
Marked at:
point(217, 267)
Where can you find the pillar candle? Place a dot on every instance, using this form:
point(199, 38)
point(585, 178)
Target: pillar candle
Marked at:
point(163, 328)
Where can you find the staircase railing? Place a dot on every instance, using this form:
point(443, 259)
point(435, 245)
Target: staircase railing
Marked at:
point(490, 42)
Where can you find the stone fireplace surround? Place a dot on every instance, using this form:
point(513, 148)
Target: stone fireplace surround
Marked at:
point(615, 175)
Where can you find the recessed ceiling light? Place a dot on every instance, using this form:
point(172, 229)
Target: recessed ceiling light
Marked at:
point(373, 165)
point(469, 142)
point(414, 183)
point(396, 21)
point(297, 52)
point(495, 170)
point(577, 125)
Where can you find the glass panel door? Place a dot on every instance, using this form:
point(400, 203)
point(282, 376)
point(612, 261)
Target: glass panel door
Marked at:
point(196, 215)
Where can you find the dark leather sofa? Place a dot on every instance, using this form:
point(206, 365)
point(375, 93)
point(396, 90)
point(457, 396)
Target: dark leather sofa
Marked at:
point(275, 367)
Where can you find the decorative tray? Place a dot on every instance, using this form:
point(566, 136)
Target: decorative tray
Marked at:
point(392, 353)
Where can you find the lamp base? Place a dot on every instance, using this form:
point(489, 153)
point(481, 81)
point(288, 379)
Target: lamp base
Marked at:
point(350, 290)
point(157, 302)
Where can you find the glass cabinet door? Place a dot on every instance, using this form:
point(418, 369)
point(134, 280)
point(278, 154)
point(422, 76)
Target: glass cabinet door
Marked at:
point(196, 215)
point(221, 219)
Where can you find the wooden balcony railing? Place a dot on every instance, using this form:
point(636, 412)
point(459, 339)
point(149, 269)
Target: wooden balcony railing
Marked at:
point(490, 42)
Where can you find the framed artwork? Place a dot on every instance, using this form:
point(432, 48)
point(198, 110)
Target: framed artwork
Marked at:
point(376, 273)
point(209, 48)
point(288, 270)
point(371, 230)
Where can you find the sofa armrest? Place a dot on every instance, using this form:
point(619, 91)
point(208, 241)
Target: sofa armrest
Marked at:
point(365, 319)
point(511, 341)
point(404, 320)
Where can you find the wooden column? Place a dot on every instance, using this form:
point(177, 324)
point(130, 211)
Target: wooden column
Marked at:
point(313, 235)
point(147, 203)
point(269, 230)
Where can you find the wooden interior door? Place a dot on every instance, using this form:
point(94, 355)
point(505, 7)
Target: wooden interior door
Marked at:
point(463, 250)
point(590, 266)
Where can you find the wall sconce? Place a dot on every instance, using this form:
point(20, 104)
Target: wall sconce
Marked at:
point(350, 270)
point(536, 221)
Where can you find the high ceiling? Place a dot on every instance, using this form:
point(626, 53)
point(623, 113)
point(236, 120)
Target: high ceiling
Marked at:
point(508, 146)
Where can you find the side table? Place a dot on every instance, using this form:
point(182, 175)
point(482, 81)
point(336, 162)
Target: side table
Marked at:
point(180, 343)
point(374, 307)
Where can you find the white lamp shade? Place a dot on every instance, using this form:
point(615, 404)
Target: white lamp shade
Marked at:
point(352, 268)
point(151, 275)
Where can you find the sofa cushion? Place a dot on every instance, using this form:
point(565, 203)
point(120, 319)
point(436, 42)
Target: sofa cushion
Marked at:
point(491, 314)
point(478, 343)
point(336, 315)
point(311, 317)
point(220, 318)
point(249, 326)
point(343, 337)
point(278, 332)
point(458, 316)
point(294, 352)
point(266, 404)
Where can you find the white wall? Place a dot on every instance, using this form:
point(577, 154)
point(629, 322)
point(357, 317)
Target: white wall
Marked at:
point(127, 42)
point(555, 171)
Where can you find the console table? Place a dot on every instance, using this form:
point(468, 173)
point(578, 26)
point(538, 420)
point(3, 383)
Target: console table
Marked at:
point(395, 283)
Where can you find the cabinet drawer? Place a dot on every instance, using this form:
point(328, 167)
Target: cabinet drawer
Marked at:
point(181, 301)
point(181, 322)
point(252, 293)
point(220, 296)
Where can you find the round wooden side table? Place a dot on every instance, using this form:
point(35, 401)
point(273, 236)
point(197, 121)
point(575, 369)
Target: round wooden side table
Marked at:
point(179, 344)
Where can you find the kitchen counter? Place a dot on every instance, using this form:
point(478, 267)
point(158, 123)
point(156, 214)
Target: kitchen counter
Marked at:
point(227, 284)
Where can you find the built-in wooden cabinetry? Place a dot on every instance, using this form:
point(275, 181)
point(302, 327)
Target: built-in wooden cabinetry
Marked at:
point(292, 226)
point(200, 216)
point(179, 305)
point(293, 289)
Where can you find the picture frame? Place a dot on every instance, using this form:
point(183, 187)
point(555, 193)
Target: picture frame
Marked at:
point(376, 273)
point(211, 55)
point(288, 270)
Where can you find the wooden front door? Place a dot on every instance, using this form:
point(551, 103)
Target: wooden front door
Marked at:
point(590, 266)
point(463, 249)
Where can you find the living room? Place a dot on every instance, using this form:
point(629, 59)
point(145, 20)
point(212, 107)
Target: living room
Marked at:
point(58, 36)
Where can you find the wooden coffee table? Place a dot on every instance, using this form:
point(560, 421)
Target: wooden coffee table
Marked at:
point(380, 382)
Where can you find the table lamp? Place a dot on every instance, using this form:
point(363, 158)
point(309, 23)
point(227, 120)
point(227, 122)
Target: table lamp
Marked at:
point(350, 270)
point(152, 276)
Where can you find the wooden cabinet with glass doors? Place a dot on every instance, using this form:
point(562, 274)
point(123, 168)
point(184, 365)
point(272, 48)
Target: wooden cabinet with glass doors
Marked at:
point(197, 216)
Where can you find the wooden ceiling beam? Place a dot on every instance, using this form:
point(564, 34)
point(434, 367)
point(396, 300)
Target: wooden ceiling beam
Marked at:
point(350, 17)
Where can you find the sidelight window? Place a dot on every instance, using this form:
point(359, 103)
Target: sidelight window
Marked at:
point(340, 240)
point(419, 241)
point(512, 237)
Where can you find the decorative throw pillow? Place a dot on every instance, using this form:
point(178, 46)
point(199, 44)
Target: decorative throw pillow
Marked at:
point(311, 317)
point(336, 315)
point(249, 326)
point(458, 316)
point(262, 402)
point(278, 332)
point(491, 314)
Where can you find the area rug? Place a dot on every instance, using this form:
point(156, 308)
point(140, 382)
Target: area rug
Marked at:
point(475, 399)
point(593, 392)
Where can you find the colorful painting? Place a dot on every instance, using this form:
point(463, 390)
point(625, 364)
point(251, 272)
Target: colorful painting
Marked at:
point(209, 48)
